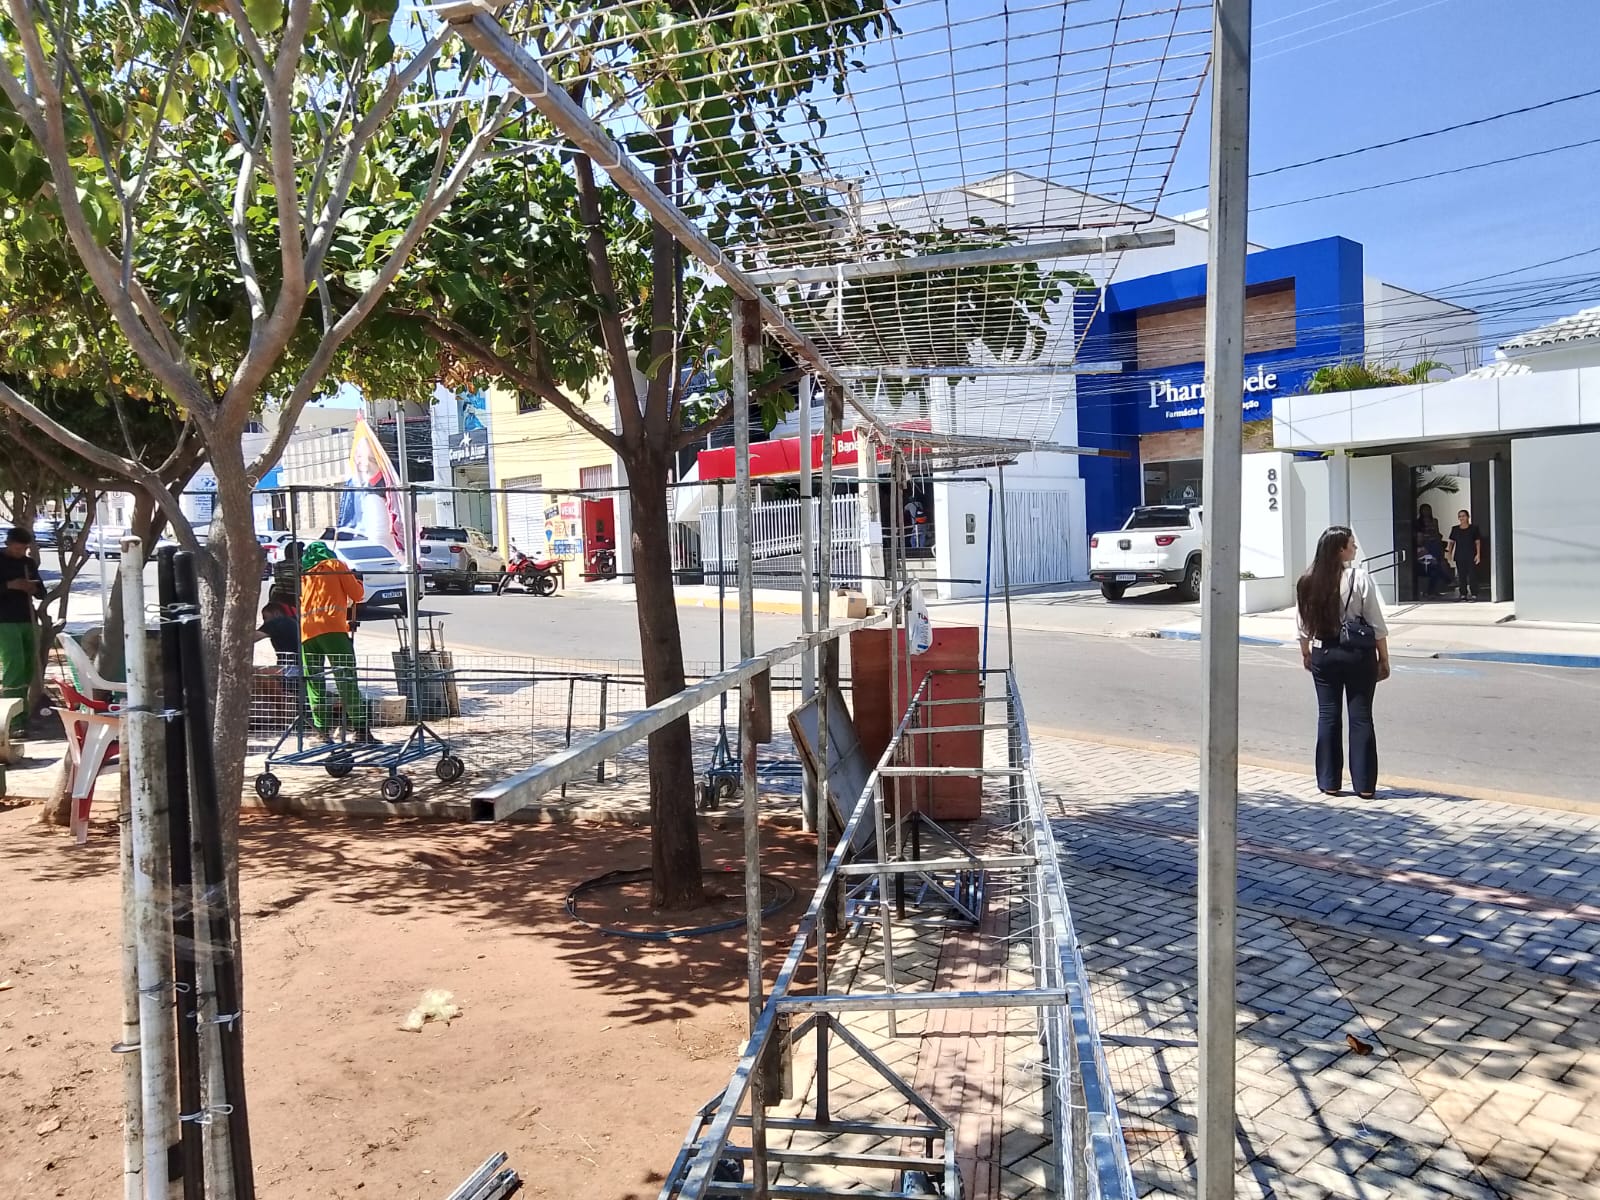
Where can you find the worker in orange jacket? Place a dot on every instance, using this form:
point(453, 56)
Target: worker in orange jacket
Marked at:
point(329, 594)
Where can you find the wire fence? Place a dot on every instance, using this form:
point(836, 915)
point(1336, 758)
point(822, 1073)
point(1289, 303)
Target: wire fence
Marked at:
point(495, 714)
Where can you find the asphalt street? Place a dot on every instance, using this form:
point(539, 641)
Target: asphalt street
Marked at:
point(1483, 725)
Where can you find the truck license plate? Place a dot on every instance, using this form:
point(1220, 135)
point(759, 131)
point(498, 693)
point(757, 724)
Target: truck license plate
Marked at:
point(1127, 578)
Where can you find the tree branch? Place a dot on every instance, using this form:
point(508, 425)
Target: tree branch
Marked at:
point(437, 201)
point(612, 333)
point(138, 318)
point(469, 345)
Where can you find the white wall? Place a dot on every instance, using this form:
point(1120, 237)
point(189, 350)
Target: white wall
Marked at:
point(1450, 409)
point(1404, 327)
point(1372, 513)
point(1555, 528)
point(1311, 485)
point(956, 554)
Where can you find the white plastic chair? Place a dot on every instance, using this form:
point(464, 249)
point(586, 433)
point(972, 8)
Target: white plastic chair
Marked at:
point(90, 737)
point(89, 679)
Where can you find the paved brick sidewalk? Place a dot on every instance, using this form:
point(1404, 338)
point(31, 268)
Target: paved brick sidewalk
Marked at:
point(1459, 939)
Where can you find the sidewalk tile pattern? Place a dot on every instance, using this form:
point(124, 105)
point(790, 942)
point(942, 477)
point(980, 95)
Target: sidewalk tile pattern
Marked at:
point(1457, 940)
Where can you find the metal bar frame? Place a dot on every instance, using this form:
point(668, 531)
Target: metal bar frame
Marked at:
point(482, 30)
point(1090, 1156)
point(955, 260)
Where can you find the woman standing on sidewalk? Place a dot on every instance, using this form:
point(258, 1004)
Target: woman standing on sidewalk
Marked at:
point(1344, 643)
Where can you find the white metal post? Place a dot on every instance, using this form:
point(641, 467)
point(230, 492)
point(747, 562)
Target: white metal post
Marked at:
point(128, 1047)
point(747, 354)
point(408, 530)
point(808, 661)
point(873, 574)
point(144, 741)
point(1219, 632)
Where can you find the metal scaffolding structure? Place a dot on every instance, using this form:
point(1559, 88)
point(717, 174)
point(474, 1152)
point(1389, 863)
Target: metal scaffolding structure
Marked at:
point(857, 233)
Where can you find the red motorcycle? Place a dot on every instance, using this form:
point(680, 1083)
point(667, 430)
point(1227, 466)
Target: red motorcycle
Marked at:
point(541, 576)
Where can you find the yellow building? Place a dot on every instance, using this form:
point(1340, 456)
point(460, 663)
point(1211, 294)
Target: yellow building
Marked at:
point(533, 450)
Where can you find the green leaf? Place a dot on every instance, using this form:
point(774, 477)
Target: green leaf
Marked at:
point(266, 16)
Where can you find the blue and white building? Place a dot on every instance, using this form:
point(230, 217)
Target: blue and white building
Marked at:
point(1138, 341)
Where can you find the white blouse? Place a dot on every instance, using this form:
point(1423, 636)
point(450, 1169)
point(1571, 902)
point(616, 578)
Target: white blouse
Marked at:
point(1360, 596)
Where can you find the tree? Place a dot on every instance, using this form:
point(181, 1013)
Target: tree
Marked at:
point(1359, 376)
point(202, 162)
point(545, 277)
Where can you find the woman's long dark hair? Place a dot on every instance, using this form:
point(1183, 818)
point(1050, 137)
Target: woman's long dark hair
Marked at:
point(1317, 594)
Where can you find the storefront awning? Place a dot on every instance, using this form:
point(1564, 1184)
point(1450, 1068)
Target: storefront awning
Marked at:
point(781, 456)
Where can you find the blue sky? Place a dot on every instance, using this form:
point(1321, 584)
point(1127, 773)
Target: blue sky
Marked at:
point(1436, 62)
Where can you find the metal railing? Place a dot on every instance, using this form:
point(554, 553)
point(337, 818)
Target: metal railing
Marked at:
point(1090, 1158)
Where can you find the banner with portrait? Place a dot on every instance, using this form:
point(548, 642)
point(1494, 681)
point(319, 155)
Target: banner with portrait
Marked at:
point(369, 504)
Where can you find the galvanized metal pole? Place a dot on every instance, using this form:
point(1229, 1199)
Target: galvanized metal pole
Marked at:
point(144, 742)
point(1005, 571)
point(808, 660)
point(1219, 622)
point(747, 354)
point(408, 528)
point(825, 658)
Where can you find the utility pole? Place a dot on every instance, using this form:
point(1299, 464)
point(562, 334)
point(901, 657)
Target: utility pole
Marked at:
point(1219, 627)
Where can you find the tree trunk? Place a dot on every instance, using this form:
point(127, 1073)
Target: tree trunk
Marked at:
point(678, 881)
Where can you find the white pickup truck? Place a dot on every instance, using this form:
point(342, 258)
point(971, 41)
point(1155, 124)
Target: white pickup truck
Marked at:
point(1160, 543)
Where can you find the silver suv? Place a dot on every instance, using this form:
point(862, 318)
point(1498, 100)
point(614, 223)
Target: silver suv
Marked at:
point(453, 556)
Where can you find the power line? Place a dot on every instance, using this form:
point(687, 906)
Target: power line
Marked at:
point(1410, 137)
point(1478, 166)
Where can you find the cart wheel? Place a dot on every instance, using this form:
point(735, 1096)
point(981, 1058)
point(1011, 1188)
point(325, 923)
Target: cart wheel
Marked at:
point(339, 765)
point(268, 786)
point(726, 787)
point(545, 585)
point(450, 768)
point(708, 796)
point(395, 788)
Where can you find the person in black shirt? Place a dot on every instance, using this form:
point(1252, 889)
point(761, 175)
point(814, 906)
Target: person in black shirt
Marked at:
point(19, 646)
point(280, 625)
point(1466, 554)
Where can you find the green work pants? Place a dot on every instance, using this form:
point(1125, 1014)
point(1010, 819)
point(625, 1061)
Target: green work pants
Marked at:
point(340, 656)
point(19, 661)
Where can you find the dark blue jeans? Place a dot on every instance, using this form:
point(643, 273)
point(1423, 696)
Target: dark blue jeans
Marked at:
point(1345, 678)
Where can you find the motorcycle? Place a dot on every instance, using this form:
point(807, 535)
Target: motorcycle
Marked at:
point(541, 576)
point(602, 564)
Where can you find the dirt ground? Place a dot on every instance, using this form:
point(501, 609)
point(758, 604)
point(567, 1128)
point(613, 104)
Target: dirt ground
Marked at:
point(583, 1056)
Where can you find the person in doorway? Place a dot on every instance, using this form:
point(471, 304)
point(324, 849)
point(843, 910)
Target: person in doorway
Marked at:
point(1430, 552)
point(19, 640)
point(1466, 555)
point(1344, 643)
point(329, 595)
point(914, 523)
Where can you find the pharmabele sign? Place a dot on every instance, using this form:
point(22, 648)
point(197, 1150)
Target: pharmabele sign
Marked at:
point(1188, 399)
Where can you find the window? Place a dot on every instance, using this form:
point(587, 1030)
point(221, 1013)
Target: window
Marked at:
point(443, 533)
point(1164, 517)
point(364, 553)
point(528, 404)
point(594, 477)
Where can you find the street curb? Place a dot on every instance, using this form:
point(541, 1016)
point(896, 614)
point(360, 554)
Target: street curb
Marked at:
point(780, 608)
point(1523, 658)
point(1190, 635)
point(1449, 791)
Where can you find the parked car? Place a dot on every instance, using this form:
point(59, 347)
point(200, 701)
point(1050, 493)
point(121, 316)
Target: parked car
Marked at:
point(1159, 543)
point(453, 556)
point(382, 574)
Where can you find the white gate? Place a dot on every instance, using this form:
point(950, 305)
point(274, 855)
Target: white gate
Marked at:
point(775, 542)
point(525, 514)
point(1039, 535)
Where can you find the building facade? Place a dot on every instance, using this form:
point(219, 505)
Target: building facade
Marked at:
point(1511, 443)
point(536, 453)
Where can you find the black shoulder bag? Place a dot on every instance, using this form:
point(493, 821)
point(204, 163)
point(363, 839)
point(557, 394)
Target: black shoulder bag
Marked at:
point(1355, 633)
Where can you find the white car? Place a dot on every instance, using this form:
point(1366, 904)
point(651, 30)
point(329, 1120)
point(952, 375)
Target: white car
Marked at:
point(1159, 543)
point(381, 573)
